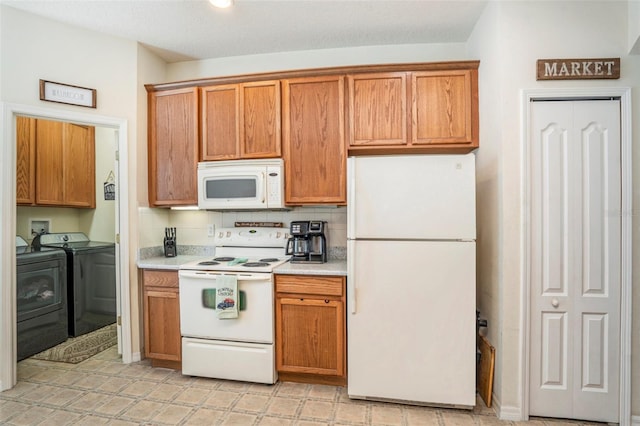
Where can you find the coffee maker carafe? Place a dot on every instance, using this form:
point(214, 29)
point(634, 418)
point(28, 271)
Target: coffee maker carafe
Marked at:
point(308, 243)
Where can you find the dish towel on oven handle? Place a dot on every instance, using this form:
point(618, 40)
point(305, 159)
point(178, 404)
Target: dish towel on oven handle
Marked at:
point(227, 297)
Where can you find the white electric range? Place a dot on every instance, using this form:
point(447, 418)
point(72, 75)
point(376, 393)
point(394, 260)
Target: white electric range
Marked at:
point(242, 347)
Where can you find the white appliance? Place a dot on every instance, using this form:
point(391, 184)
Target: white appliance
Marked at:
point(241, 184)
point(240, 348)
point(411, 298)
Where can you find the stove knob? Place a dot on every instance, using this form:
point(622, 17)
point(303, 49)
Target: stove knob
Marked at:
point(228, 234)
point(220, 234)
point(65, 238)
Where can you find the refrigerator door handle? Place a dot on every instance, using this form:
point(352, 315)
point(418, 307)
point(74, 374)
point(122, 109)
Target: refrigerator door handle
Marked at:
point(351, 276)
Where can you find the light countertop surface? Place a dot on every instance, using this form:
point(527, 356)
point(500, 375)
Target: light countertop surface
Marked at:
point(332, 267)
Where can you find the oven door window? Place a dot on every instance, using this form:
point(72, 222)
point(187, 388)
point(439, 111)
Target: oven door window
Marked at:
point(39, 289)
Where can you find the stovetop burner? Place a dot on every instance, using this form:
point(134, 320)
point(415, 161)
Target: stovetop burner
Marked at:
point(269, 259)
point(255, 264)
point(209, 262)
point(224, 259)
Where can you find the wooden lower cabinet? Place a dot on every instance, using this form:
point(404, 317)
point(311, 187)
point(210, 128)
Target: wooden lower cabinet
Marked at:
point(162, 340)
point(311, 329)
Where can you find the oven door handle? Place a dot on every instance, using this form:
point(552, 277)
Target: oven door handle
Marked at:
point(211, 275)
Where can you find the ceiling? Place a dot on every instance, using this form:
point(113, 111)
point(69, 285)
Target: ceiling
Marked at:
point(179, 30)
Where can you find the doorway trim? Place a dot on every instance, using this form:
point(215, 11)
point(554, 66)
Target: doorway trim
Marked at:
point(624, 94)
point(8, 113)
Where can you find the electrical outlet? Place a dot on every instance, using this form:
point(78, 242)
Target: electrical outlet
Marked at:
point(210, 230)
point(40, 226)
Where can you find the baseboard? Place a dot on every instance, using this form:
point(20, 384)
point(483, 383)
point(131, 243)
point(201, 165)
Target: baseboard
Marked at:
point(635, 420)
point(136, 356)
point(508, 413)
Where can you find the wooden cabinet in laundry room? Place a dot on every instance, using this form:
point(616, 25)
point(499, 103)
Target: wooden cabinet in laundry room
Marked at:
point(173, 146)
point(241, 121)
point(311, 329)
point(55, 163)
point(161, 309)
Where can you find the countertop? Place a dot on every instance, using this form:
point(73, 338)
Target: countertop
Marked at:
point(332, 267)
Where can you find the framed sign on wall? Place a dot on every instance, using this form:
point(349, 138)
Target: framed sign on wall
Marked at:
point(67, 94)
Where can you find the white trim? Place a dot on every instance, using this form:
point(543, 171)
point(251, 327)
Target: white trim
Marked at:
point(635, 420)
point(624, 93)
point(8, 373)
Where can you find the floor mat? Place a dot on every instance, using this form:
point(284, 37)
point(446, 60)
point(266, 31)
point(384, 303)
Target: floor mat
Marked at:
point(77, 349)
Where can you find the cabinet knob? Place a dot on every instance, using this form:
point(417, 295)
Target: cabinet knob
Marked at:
point(555, 303)
point(326, 300)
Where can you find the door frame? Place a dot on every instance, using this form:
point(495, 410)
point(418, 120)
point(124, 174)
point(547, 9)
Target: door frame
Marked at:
point(624, 94)
point(8, 113)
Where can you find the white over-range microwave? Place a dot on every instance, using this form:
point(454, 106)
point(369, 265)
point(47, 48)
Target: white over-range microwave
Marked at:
point(241, 184)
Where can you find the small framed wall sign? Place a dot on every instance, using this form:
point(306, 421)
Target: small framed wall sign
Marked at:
point(578, 69)
point(67, 94)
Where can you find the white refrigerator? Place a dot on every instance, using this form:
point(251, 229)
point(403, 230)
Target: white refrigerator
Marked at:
point(411, 297)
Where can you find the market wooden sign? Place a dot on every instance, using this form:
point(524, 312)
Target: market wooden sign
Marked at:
point(578, 69)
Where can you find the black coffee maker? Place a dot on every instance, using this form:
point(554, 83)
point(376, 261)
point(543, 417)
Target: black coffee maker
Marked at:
point(308, 242)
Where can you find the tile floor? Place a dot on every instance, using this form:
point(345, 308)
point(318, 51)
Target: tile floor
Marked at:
point(103, 391)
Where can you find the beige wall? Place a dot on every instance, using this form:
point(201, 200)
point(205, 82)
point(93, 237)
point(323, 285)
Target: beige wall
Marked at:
point(34, 48)
point(508, 40)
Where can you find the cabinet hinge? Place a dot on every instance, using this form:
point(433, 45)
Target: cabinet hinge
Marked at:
point(117, 155)
point(119, 320)
point(117, 238)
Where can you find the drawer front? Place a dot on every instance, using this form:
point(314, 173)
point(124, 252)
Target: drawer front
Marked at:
point(155, 278)
point(306, 284)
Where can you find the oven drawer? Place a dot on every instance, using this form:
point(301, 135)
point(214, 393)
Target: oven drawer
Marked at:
point(248, 362)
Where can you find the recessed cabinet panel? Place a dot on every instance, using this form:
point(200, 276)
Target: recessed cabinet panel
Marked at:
point(173, 147)
point(25, 161)
point(313, 141)
point(220, 122)
point(441, 107)
point(378, 109)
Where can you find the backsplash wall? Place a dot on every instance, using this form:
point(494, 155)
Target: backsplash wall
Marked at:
point(191, 225)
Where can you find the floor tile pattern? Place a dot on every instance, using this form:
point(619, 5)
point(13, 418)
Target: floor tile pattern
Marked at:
point(103, 391)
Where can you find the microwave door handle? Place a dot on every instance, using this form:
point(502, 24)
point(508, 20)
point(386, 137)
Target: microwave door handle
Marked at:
point(264, 187)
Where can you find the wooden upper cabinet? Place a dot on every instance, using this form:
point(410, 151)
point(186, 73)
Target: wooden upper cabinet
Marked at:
point(314, 148)
point(241, 121)
point(25, 160)
point(414, 111)
point(63, 163)
point(378, 109)
point(442, 108)
point(173, 147)
point(79, 173)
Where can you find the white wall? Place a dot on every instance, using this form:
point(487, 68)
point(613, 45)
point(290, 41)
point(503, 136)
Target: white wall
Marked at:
point(316, 59)
point(34, 48)
point(509, 39)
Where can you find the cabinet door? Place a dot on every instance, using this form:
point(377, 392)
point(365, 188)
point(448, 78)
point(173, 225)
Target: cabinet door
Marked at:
point(173, 147)
point(25, 160)
point(162, 324)
point(442, 103)
point(260, 129)
point(161, 315)
point(220, 122)
point(49, 163)
point(378, 109)
point(241, 121)
point(310, 336)
point(79, 172)
point(313, 140)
